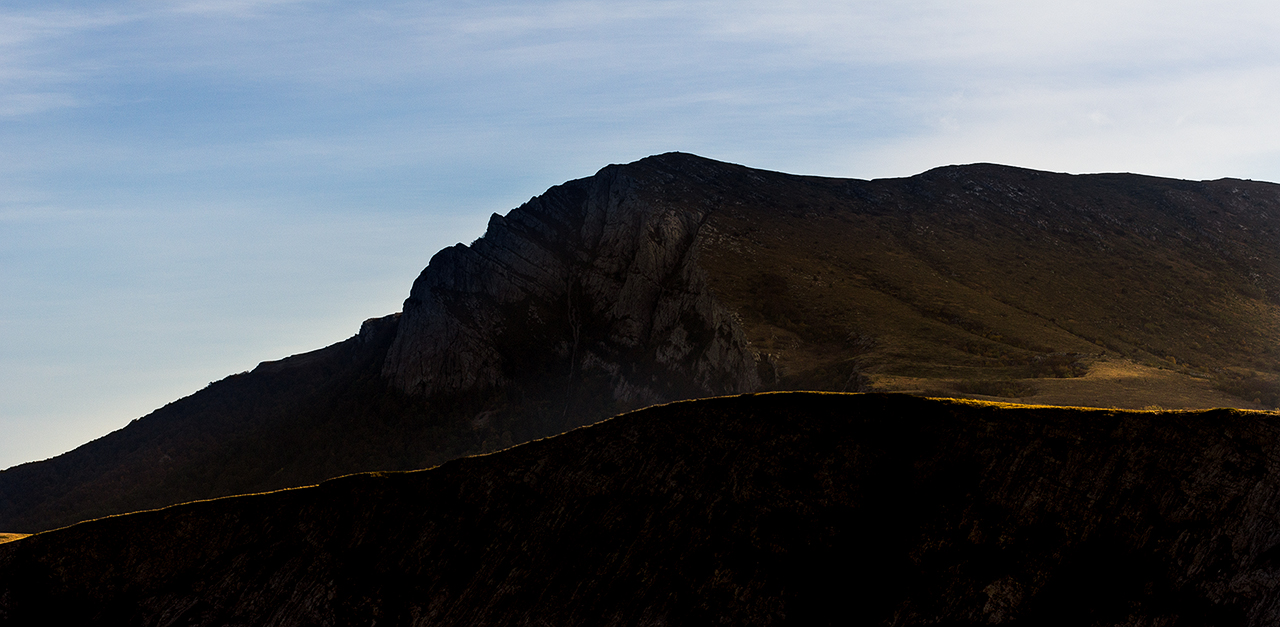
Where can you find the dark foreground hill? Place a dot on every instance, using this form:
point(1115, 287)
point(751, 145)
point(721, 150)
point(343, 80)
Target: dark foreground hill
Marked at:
point(680, 277)
point(789, 508)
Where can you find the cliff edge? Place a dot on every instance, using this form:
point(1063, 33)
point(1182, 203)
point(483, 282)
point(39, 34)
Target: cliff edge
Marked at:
point(596, 279)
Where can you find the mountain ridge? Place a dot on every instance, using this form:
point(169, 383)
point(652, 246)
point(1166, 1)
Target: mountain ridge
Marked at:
point(677, 277)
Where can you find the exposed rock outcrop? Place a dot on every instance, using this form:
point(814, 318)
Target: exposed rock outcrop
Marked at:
point(596, 277)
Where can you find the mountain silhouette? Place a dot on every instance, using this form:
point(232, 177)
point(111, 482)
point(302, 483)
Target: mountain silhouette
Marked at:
point(679, 277)
point(785, 508)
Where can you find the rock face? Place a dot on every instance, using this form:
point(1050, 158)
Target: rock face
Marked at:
point(585, 302)
point(596, 278)
point(795, 508)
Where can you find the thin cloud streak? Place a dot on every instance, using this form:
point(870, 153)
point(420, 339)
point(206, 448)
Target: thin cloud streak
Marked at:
point(1194, 127)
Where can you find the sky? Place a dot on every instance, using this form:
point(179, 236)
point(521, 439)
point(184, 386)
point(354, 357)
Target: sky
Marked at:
point(189, 188)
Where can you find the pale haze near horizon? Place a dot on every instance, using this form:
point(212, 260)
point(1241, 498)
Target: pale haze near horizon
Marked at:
point(191, 188)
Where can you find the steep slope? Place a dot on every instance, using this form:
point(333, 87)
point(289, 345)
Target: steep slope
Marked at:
point(593, 286)
point(680, 277)
point(792, 508)
point(274, 427)
point(582, 303)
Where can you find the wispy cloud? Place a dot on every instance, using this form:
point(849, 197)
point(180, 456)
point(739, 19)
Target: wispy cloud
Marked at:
point(243, 9)
point(1008, 33)
point(13, 105)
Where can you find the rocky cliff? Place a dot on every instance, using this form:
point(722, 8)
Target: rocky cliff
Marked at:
point(595, 279)
point(795, 508)
point(586, 301)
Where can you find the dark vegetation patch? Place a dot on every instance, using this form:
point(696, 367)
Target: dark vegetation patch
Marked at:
point(1250, 386)
point(801, 508)
point(1058, 365)
point(995, 387)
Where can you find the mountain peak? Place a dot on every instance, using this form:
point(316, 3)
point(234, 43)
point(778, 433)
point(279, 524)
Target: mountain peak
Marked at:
point(678, 277)
point(601, 275)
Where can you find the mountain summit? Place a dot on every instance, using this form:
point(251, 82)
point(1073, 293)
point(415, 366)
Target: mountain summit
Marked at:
point(595, 284)
point(678, 277)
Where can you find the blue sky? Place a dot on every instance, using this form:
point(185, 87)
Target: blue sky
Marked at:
point(188, 188)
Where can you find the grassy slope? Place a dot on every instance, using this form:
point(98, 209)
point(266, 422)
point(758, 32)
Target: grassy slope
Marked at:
point(967, 277)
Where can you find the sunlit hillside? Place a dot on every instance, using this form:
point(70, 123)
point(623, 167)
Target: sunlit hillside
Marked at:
point(991, 280)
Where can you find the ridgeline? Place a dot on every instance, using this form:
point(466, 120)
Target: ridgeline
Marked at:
point(786, 508)
point(678, 277)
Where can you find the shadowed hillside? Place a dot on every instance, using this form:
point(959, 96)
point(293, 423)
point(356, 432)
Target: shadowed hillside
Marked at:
point(794, 508)
point(680, 277)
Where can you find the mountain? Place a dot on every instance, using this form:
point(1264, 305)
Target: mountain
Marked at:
point(679, 277)
point(785, 508)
